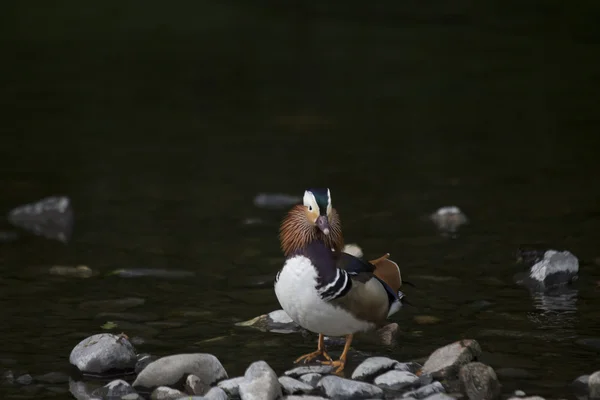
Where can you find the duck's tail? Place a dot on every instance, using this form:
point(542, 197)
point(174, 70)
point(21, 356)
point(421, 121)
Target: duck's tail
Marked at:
point(388, 271)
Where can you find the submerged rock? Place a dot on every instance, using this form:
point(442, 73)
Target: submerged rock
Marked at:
point(446, 361)
point(102, 353)
point(260, 383)
point(53, 378)
point(276, 321)
point(51, 217)
point(554, 269)
point(114, 390)
point(448, 219)
point(80, 271)
point(373, 366)
point(172, 371)
point(25, 379)
point(341, 389)
point(479, 381)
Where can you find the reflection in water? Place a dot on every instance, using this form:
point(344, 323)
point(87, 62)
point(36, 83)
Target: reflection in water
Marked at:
point(557, 311)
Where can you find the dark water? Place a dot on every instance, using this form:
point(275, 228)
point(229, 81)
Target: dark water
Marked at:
point(162, 122)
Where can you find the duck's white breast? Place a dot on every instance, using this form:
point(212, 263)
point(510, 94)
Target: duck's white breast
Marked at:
point(296, 291)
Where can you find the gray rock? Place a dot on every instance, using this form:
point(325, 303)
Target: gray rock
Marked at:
point(277, 321)
point(440, 396)
point(479, 381)
point(448, 219)
point(102, 353)
point(80, 390)
point(50, 217)
point(305, 397)
point(132, 396)
point(408, 367)
point(580, 385)
point(373, 366)
point(397, 380)
point(260, 383)
point(53, 378)
point(194, 385)
point(520, 393)
point(113, 390)
point(294, 386)
point(172, 370)
point(556, 268)
point(342, 389)
point(216, 393)
point(426, 391)
point(25, 379)
point(527, 398)
point(311, 379)
point(231, 386)
point(143, 360)
point(594, 385)
point(445, 362)
point(8, 378)
point(309, 369)
point(166, 393)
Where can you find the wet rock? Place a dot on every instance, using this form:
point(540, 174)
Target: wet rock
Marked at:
point(446, 361)
point(260, 383)
point(387, 334)
point(309, 369)
point(396, 380)
point(305, 397)
point(425, 379)
point(172, 370)
point(50, 217)
point(410, 366)
point(520, 393)
point(294, 386)
point(276, 321)
point(556, 268)
point(166, 393)
point(52, 378)
point(113, 390)
point(231, 386)
point(131, 396)
point(448, 219)
point(426, 391)
point(594, 385)
point(340, 389)
point(80, 271)
point(216, 393)
point(143, 360)
point(102, 353)
point(25, 379)
point(581, 384)
point(113, 305)
point(80, 390)
point(311, 379)
point(479, 381)
point(373, 366)
point(275, 200)
point(194, 385)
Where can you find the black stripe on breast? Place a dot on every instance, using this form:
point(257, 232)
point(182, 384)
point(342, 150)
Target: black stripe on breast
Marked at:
point(337, 288)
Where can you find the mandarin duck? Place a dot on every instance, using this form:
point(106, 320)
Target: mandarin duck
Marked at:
point(325, 290)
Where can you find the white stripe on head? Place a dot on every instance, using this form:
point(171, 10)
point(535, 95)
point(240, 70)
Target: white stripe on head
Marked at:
point(310, 201)
point(328, 202)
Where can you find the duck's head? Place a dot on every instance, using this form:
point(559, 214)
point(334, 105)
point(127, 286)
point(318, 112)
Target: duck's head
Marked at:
point(314, 219)
point(318, 208)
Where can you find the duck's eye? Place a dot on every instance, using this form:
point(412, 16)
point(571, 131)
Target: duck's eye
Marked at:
point(309, 208)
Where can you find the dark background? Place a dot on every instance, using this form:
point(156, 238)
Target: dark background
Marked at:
point(163, 120)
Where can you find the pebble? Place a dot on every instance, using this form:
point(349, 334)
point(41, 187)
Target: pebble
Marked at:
point(311, 379)
point(446, 361)
point(25, 379)
point(396, 380)
point(260, 383)
point(479, 381)
point(114, 389)
point(520, 393)
point(166, 393)
point(342, 389)
point(102, 353)
point(170, 370)
point(231, 386)
point(294, 386)
point(373, 366)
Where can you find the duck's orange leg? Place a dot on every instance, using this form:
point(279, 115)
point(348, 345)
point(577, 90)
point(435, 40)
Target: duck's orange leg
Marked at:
point(319, 352)
point(341, 363)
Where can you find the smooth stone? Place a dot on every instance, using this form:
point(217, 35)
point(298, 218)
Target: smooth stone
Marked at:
point(166, 393)
point(80, 390)
point(396, 380)
point(294, 386)
point(113, 305)
point(520, 393)
point(216, 393)
point(309, 369)
point(53, 378)
point(25, 379)
point(580, 385)
point(594, 385)
point(373, 366)
point(448, 218)
point(172, 370)
point(143, 360)
point(479, 381)
point(260, 383)
point(410, 366)
point(231, 386)
point(387, 334)
point(103, 352)
point(194, 385)
point(114, 389)
point(446, 361)
point(426, 391)
point(311, 379)
point(345, 389)
point(277, 321)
